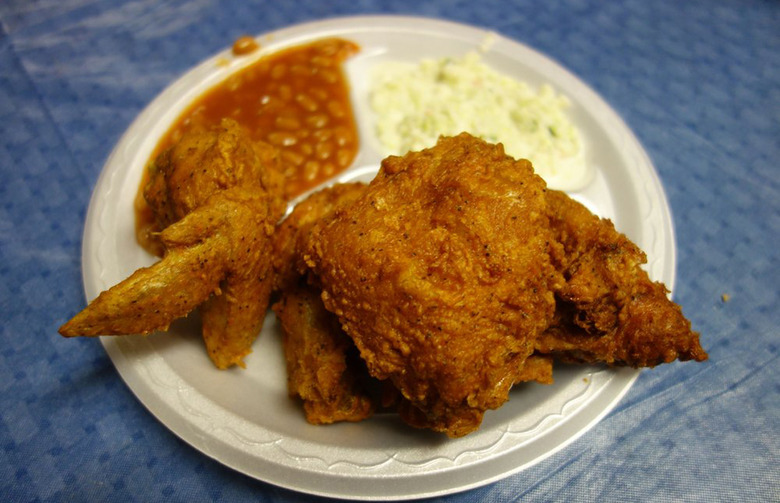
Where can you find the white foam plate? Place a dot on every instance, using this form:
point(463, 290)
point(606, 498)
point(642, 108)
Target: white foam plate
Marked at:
point(244, 418)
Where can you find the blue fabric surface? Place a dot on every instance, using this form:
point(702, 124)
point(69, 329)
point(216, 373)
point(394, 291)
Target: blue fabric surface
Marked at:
point(697, 81)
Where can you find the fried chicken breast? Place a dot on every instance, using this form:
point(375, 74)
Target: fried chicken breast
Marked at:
point(440, 272)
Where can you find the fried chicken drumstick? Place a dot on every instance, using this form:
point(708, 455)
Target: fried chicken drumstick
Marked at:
point(217, 196)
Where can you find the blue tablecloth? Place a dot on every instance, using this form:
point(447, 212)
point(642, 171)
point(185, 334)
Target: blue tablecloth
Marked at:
point(697, 81)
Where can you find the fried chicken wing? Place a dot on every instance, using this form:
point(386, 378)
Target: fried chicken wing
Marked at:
point(217, 196)
point(440, 272)
point(608, 309)
point(206, 161)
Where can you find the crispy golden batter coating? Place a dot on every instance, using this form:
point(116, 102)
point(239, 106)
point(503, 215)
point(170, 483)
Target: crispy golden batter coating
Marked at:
point(440, 272)
point(207, 161)
point(217, 195)
point(609, 310)
point(537, 368)
point(323, 367)
point(292, 233)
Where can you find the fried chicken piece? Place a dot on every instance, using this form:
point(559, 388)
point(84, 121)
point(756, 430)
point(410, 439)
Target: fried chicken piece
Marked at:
point(323, 367)
point(216, 195)
point(207, 161)
point(609, 310)
point(536, 368)
point(292, 233)
point(440, 272)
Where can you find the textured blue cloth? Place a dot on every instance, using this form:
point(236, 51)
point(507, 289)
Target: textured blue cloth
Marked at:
point(697, 81)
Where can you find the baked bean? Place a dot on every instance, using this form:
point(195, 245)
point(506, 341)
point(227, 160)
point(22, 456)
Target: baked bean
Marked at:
point(278, 71)
point(306, 102)
point(344, 157)
point(343, 136)
point(292, 157)
point(329, 47)
point(322, 61)
point(319, 94)
point(233, 83)
point(323, 150)
point(282, 139)
point(329, 76)
point(311, 170)
point(336, 109)
point(322, 134)
point(288, 123)
point(285, 92)
point(317, 121)
point(300, 70)
point(306, 149)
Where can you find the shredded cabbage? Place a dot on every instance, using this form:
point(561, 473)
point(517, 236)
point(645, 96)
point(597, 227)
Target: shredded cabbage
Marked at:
point(415, 104)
